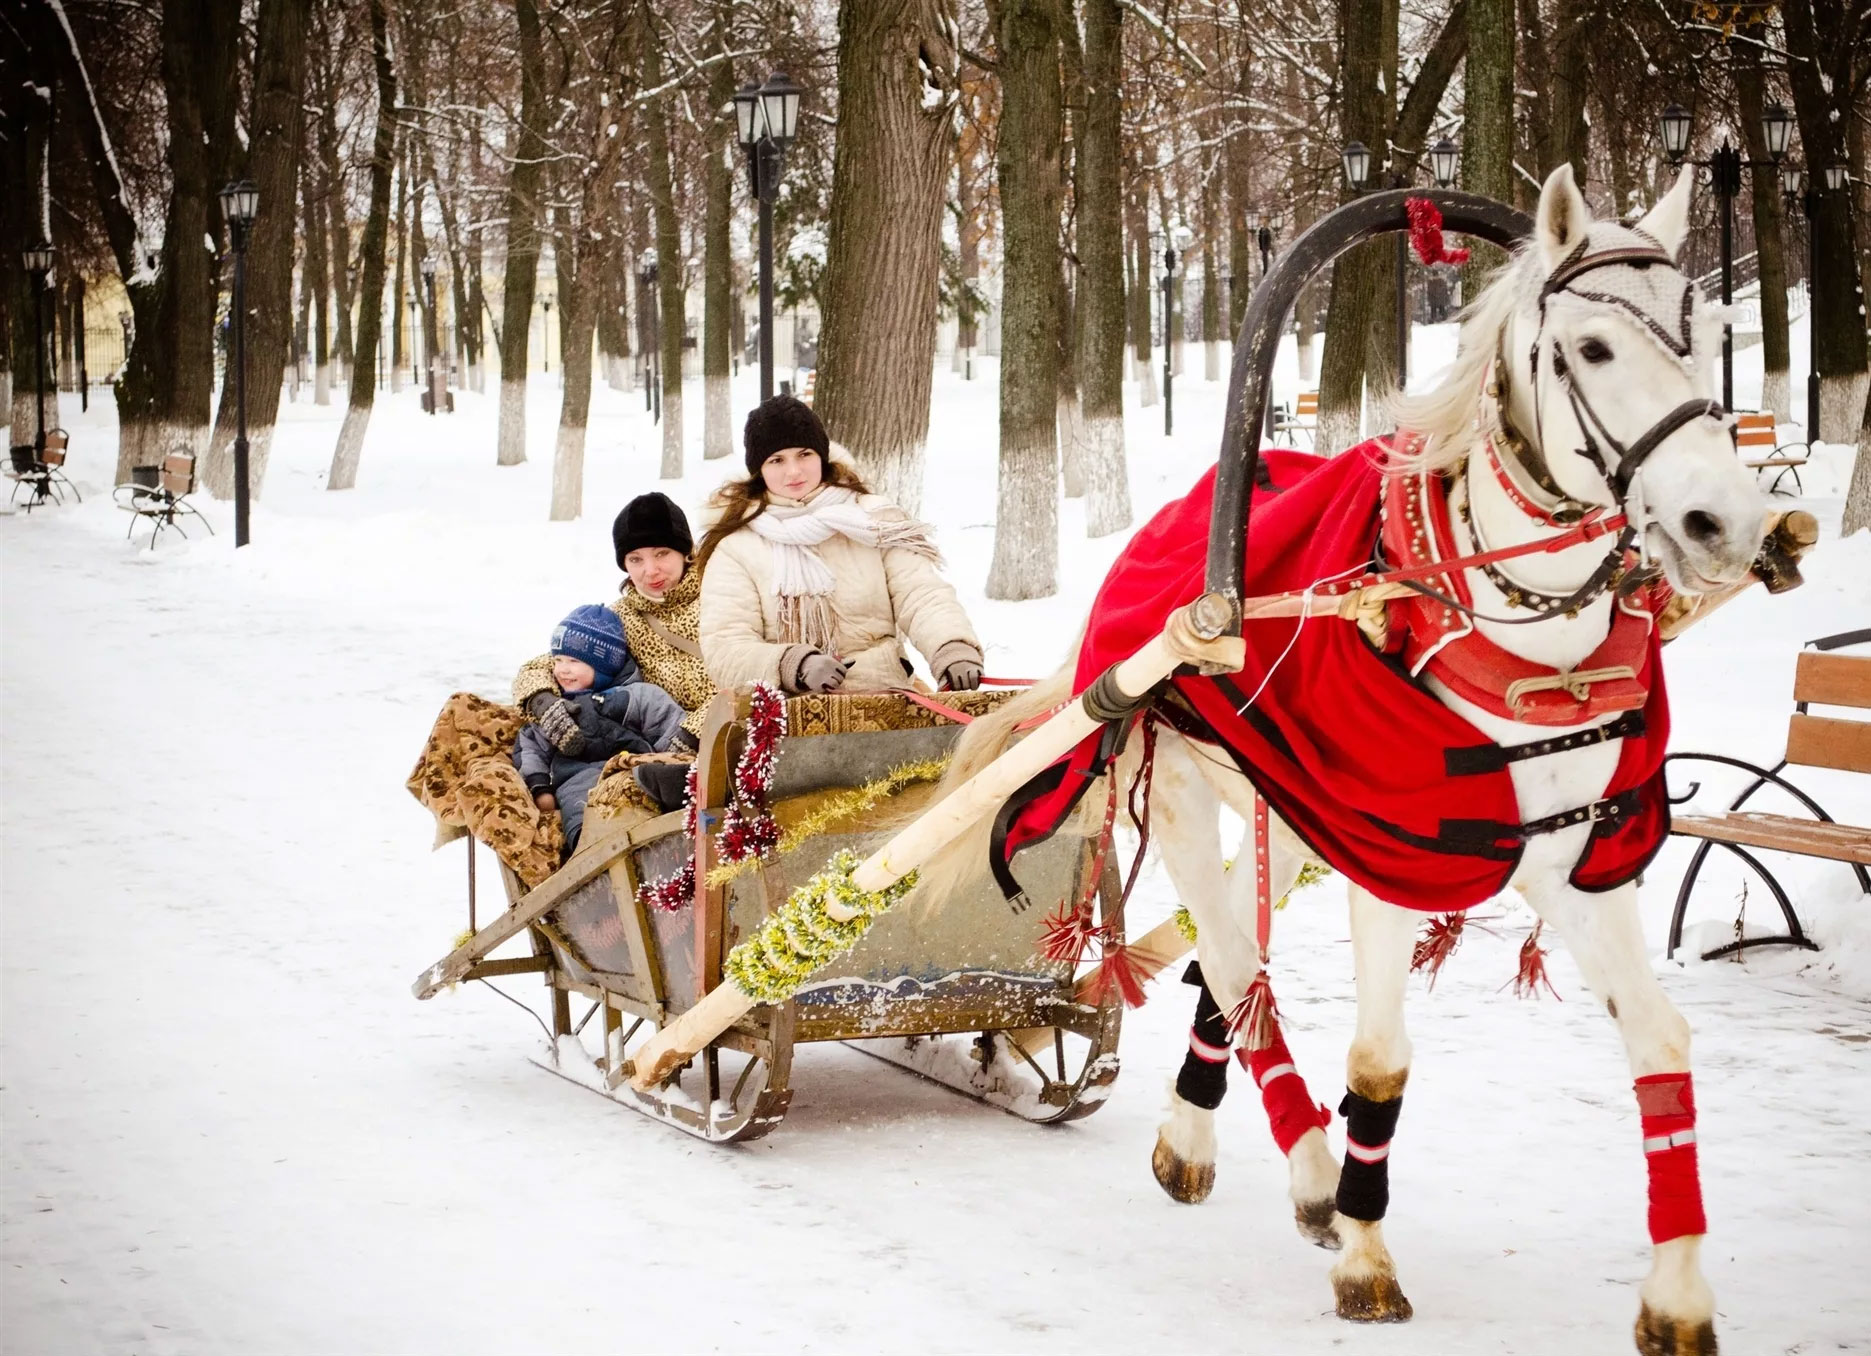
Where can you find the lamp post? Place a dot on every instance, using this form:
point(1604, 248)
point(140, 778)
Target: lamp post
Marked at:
point(647, 304)
point(239, 203)
point(545, 334)
point(1724, 168)
point(766, 118)
point(1803, 193)
point(1444, 160)
point(430, 337)
point(1169, 323)
point(38, 259)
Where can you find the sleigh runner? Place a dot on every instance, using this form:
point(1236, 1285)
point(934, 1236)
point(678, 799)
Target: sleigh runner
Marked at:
point(636, 925)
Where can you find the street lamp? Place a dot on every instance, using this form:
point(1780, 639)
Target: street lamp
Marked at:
point(240, 202)
point(1172, 236)
point(432, 400)
point(1444, 159)
point(545, 335)
point(1724, 168)
point(649, 307)
point(766, 118)
point(38, 259)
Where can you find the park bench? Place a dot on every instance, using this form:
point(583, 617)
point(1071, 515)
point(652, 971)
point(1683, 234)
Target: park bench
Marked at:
point(1823, 678)
point(1758, 440)
point(42, 472)
point(1303, 418)
point(160, 494)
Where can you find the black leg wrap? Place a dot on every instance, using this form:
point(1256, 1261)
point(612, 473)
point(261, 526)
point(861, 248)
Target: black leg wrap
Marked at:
point(1203, 1082)
point(1364, 1182)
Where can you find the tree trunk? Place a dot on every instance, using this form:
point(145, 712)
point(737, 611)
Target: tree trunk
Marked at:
point(671, 286)
point(1488, 122)
point(331, 188)
point(1356, 335)
point(521, 272)
point(399, 348)
point(344, 459)
point(1858, 495)
point(1100, 301)
point(884, 251)
point(1142, 297)
point(318, 288)
point(1026, 527)
point(1568, 138)
point(1821, 73)
point(276, 137)
point(578, 306)
point(717, 255)
point(28, 125)
point(1769, 234)
point(164, 397)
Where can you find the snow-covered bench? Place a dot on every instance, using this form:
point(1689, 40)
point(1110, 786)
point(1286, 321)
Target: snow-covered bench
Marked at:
point(1825, 679)
point(1304, 417)
point(1755, 431)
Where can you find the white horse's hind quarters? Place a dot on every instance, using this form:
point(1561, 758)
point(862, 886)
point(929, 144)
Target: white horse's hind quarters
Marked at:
point(1580, 388)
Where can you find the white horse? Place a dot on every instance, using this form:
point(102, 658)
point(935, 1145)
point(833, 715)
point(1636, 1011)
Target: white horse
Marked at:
point(1570, 348)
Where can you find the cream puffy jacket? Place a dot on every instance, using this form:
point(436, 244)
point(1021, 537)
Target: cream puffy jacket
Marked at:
point(881, 598)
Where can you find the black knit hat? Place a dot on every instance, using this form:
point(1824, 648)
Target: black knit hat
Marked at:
point(780, 422)
point(651, 519)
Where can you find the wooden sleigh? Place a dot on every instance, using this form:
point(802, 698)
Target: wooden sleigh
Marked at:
point(959, 995)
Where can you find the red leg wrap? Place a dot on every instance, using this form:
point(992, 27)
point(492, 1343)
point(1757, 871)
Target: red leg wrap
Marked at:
point(1667, 1104)
point(1291, 1112)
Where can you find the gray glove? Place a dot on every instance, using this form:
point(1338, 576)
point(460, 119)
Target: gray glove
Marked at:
point(820, 672)
point(962, 676)
point(558, 722)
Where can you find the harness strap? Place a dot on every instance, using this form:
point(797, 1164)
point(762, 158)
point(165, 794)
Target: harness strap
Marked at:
point(1480, 759)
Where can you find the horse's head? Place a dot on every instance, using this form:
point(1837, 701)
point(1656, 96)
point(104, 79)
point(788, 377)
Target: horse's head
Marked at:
point(1608, 356)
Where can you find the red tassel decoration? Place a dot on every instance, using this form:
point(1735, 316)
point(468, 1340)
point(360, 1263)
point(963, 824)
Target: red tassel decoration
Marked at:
point(1440, 938)
point(1426, 234)
point(1532, 972)
point(1067, 934)
point(1116, 968)
point(1255, 1020)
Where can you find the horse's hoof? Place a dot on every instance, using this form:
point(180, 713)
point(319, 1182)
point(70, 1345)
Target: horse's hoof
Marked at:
point(1371, 1299)
point(1318, 1223)
point(1187, 1182)
point(1658, 1335)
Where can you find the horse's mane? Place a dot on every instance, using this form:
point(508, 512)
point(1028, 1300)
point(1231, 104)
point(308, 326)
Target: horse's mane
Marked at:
point(1443, 418)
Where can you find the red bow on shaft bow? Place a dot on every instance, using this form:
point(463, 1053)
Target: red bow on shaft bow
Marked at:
point(1426, 233)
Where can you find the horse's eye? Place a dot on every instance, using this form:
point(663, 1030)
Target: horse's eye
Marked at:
point(1595, 351)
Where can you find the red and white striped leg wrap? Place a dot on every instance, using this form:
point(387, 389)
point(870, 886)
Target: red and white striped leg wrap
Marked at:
point(1291, 1112)
point(1667, 1104)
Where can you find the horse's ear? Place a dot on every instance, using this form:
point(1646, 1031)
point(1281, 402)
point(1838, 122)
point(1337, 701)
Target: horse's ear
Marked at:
point(1563, 216)
point(1668, 222)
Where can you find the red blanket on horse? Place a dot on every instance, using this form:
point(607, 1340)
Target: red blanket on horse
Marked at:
point(1382, 780)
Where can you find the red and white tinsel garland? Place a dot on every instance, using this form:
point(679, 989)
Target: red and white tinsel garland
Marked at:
point(748, 828)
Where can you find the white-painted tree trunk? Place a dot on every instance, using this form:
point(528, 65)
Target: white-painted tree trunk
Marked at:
point(396, 379)
point(568, 473)
point(350, 449)
point(1776, 396)
point(1146, 380)
point(510, 445)
point(672, 428)
point(1026, 530)
point(1858, 495)
point(1211, 360)
point(1071, 425)
point(1308, 363)
point(1107, 478)
point(321, 385)
point(717, 419)
point(1841, 403)
point(897, 475)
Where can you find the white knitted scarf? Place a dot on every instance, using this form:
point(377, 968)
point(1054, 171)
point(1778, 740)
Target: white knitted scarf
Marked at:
point(803, 582)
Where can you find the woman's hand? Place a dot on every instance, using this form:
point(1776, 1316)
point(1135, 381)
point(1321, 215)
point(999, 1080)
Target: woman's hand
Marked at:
point(962, 676)
point(557, 722)
point(820, 672)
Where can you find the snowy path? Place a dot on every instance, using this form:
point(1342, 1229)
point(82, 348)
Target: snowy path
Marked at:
point(228, 1128)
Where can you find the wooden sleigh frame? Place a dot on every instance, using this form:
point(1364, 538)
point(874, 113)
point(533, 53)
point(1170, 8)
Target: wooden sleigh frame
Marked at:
point(958, 995)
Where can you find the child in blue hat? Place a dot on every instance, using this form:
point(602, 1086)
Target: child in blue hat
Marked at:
point(607, 709)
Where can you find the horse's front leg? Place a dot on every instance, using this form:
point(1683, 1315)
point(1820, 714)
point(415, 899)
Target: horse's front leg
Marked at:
point(1364, 1279)
point(1602, 931)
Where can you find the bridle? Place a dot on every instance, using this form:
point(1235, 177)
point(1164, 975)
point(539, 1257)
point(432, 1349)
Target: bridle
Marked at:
point(1616, 462)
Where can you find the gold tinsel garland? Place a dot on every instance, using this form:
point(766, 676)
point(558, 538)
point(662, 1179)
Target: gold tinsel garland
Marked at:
point(840, 807)
point(800, 937)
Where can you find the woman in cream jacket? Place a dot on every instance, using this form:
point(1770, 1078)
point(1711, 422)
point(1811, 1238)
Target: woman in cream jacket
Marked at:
point(812, 583)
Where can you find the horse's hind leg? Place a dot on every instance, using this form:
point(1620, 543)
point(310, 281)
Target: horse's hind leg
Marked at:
point(1605, 937)
point(1364, 1279)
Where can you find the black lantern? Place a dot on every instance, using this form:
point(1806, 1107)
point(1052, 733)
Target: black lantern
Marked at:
point(38, 261)
point(1444, 161)
point(766, 118)
point(1357, 161)
point(747, 114)
point(1792, 181)
point(1836, 176)
point(240, 203)
point(779, 102)
point(1674, 124)
point(1777, 126)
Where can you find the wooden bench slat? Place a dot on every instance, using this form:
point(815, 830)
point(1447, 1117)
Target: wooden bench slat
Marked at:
point(1820, 741)
point(1833, 679)
point(1808, 837)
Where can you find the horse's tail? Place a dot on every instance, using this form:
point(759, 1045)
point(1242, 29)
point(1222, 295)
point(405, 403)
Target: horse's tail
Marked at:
point(981, 743)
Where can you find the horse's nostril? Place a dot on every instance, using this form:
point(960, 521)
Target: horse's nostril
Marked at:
point(1705, 529)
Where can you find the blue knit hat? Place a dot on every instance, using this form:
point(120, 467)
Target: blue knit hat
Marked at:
point(593, 633)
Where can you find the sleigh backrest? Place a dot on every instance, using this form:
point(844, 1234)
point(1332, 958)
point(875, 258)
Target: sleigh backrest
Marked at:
point(1834, 680)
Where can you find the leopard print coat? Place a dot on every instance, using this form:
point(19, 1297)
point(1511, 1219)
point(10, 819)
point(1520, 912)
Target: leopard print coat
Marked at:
point(681, 675)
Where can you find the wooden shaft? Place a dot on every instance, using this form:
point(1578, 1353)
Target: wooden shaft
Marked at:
point(945, 821)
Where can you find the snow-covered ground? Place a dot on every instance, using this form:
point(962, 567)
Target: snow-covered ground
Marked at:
point(228, 1127)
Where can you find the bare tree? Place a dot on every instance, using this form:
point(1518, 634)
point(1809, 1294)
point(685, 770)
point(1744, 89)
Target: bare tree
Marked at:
point(718, 254)
point(1098, 210)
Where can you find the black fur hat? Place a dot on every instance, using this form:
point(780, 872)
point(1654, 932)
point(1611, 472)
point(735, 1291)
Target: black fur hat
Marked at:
point(780, 422)
point(651, 519)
